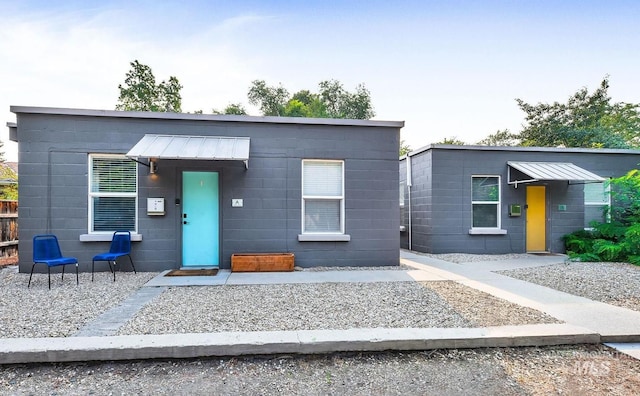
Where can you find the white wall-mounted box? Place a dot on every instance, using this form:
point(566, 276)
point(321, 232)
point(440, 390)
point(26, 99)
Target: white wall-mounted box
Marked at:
point(155, 206)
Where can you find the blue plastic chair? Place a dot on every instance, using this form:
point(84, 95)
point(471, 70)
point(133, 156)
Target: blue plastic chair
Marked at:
point(120, 246)
point(46, 250)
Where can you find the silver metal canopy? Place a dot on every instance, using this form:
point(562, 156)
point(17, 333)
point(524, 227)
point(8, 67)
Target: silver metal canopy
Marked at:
point(537, 171)
point(217, 148)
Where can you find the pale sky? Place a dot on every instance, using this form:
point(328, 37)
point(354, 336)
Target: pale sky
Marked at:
point(446, 68)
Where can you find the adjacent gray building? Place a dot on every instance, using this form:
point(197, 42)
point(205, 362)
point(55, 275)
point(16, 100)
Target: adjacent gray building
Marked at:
point(194, 189)
point(495, 200)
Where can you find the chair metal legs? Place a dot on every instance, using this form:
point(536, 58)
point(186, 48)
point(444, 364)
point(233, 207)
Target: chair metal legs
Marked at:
point(93, 263)
point(77, 280)
point(49, 275)
point(34, 264)
point(112, 266)
point(113, 269)
point(132, 266)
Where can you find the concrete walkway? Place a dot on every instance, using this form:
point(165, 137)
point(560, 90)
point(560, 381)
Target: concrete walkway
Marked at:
point(614, 324)
point(586, 321)
point(226, 277)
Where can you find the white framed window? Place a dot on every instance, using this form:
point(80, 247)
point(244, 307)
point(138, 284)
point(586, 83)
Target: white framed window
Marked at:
point(322, 197)
point(113, 193)
point(597, 198)
point(485, 202)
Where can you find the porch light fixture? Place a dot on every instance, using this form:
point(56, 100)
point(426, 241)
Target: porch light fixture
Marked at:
point(153, 166)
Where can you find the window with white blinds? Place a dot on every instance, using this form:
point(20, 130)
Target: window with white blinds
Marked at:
point(322, 196)
point(113, 193)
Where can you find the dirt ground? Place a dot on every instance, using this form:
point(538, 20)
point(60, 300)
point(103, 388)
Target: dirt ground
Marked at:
point(563, 370)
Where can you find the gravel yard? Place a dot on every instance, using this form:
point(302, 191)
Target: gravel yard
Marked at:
point(326, 306)
point(584, 370)
point(61, 311)
point(611, 283)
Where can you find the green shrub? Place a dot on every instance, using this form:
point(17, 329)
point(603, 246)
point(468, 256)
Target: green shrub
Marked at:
point(618, 239)
point(608, 250)
point(635, 260)
point(578, 242)
point(632, 239)
point(612, 231)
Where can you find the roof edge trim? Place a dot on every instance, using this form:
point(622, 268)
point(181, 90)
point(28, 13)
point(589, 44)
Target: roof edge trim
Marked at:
point(204, 117)
point(523, 149)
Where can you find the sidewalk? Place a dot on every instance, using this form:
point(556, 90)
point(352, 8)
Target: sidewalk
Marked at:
point(586, 321)
point(613, 324)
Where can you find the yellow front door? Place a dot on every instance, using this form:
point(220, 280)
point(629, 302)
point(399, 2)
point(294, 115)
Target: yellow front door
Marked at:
point(536, 219)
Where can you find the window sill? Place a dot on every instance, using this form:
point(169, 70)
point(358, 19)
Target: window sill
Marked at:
point(106, 237)
point(487, 231)
point(324, 238)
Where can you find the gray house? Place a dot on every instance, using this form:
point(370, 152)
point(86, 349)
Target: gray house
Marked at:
point(194, 189)
point(495, 200)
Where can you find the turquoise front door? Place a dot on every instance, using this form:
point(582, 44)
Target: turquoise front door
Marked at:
point(200, 219)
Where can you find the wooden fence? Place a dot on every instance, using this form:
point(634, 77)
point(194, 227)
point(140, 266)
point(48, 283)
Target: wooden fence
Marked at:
point(8, 231)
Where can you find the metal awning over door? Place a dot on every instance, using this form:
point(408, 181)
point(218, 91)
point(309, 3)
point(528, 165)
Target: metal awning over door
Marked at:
point(218, 148)
point(544, 171)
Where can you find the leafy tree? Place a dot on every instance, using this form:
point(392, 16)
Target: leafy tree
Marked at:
point(296, 108)
point(169, 99)
point(232, 108)
point(625, 119)
point(452, 140)
point(404, 148)
point(271, 100)
point(331, 101)
point(340, 103)
point(235, 109)
point(141, 93)
point(500, 138)
point(311, 106)
point(9, 180)
point(586, 120)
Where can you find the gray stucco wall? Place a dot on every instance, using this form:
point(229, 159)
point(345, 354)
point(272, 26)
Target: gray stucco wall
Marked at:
point(441, 196)
point(53, 161)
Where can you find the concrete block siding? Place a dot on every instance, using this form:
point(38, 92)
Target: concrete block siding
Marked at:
point(54, 145)
point(441, 195)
